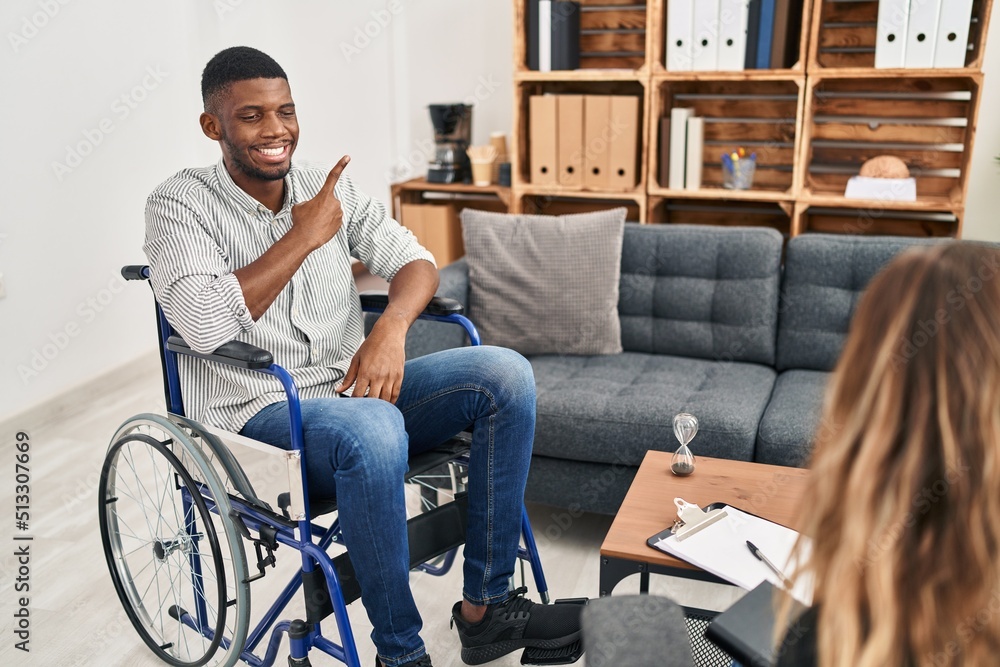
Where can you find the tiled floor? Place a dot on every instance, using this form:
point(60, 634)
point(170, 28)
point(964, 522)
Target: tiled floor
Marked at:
point(76, 619)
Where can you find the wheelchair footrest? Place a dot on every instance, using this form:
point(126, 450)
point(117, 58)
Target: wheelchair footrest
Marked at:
point(564, 655)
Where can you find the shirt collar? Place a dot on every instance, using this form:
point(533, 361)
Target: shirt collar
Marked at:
point(244, 200)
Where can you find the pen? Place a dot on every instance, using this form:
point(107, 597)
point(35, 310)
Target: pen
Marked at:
point(763, 559)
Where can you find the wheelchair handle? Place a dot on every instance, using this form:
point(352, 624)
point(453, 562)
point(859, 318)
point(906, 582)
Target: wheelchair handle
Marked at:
point(135, 272)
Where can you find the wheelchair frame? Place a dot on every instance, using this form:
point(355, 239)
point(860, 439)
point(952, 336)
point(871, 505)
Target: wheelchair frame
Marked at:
point(241, 515)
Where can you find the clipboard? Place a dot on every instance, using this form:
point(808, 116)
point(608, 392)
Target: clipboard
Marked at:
point(721, 549)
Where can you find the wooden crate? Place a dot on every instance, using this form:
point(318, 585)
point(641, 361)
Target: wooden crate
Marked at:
point(612, 34)
point(761, 115)
point(845, 34)
point(524, 90)
point(547, 204)
point(732, 213)
point(799, 34)
point(927, 122)
point(878, 221)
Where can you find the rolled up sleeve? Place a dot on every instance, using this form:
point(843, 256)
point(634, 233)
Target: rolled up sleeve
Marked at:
point(191, 277)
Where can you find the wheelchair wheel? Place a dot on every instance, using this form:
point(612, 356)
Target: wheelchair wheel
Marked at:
point(435, 487)
point(173, 551)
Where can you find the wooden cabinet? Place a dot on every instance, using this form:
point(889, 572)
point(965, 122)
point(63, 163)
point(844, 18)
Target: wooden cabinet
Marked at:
point(813, 123)
point(432, 212)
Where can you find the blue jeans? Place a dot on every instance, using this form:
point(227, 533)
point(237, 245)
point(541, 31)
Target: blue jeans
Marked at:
point(357, 451)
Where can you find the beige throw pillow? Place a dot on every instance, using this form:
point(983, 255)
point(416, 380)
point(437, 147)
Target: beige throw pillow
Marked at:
point(544, 284)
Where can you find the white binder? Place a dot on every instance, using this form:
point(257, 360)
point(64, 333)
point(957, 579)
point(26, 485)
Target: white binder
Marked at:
point(680, 22)
point(678, 146)
point(733, 15)
point(953, 34)
point(705, 46)
point(921, 33)
point(544, 35)
point(890, 44)
point(695, 150)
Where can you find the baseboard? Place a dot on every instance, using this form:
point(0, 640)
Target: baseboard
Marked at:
point(68, 404)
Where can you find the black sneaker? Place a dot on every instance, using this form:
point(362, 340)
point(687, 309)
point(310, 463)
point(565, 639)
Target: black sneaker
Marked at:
point(516, 623)
point(422, 661)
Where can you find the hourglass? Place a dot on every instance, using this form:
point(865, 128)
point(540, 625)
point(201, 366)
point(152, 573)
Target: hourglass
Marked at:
point(685, 428)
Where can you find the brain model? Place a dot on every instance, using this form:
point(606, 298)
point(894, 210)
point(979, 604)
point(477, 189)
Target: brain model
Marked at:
point(885, 166)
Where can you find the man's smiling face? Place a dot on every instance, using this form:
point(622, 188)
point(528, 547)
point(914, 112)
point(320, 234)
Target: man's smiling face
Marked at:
point(257, 128)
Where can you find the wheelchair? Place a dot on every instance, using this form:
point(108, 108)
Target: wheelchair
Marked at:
point(178, 510)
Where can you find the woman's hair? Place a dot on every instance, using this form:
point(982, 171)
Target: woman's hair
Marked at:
point(904, 516)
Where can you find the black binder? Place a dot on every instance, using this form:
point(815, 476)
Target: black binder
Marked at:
point(565, 35)
point(746, 630)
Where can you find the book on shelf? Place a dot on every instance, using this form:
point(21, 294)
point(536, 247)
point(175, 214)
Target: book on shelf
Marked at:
point(678, 146)
point(779, 37)
point(680, 29)
point(684, 148)
point(890, 40)
point(733, 20)
point(733, 35)
point(664, 176)
point(953, 34)
point(753, 33)
point(706, 29)
point(921, 33)
point(553, 33)
point(694, 149)
point(925, 34)
point(765, 34)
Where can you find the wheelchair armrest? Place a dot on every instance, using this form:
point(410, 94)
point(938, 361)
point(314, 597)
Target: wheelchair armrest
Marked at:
point(376, 300)
point(233, 353)
point(135, 272)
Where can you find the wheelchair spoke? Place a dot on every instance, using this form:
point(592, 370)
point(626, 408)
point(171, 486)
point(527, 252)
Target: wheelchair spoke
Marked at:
point(132, 534)
point(143, 569)
point(142, 490)
point(156, 482)
point(138, 548)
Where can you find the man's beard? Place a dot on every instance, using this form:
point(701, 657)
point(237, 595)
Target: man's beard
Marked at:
point(275, 173)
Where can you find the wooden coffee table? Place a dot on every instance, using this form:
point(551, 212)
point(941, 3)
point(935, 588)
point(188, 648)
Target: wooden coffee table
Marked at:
point(771, 492)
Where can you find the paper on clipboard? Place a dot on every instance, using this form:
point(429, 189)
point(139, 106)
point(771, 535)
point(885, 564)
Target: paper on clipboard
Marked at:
point(721, 549)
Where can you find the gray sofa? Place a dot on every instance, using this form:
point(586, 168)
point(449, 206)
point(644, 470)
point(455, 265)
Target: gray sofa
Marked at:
point(712, 325)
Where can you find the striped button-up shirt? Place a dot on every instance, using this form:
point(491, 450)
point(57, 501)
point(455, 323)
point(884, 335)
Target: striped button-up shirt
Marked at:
point(201, 227)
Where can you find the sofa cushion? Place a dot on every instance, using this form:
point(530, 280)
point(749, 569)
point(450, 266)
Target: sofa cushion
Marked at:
point(696, 291)
point(612, 408)
point(825, 275)
point(543, 284)
point(789, 425)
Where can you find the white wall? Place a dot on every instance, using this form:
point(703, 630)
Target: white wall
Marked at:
point(982, 212)
point(362, 73)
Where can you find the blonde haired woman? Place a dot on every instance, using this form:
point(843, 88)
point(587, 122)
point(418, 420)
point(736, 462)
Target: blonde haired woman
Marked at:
point(904, 513)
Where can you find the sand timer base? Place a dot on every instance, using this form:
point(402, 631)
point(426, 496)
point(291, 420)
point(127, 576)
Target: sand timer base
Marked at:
point(682, 462)
point(682, 469)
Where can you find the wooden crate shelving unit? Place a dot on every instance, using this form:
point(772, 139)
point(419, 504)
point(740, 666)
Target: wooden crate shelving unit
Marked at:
point(812, 124)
